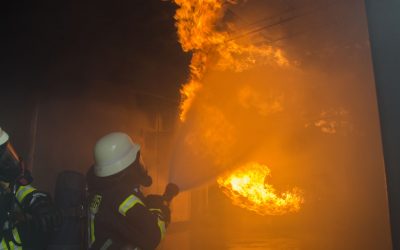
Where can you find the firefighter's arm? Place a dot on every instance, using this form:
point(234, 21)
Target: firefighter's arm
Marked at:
point(149, 223)
point(39, 205)
point(158, 205)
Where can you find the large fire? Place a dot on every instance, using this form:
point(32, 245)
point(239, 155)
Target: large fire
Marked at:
point(198, 32)
point(202, 32)
point(247, 188)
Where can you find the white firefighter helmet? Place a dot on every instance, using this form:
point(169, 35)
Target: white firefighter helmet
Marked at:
point(3, 137)
point(113, 153)
point(10, 163)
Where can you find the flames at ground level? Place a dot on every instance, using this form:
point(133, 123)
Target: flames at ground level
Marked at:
point(247, 188)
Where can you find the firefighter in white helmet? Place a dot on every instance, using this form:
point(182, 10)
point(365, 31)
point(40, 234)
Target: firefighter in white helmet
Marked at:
point(118, 215)
point(27, 216)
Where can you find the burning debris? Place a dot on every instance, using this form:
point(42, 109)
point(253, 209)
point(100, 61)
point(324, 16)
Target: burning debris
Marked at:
point(247, 188)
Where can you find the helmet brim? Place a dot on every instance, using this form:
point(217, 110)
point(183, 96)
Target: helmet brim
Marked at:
point(104, 170)
point(3, 137)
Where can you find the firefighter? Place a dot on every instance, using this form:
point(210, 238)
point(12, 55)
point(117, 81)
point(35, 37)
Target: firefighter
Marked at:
point(118, 215)
point(27, 216)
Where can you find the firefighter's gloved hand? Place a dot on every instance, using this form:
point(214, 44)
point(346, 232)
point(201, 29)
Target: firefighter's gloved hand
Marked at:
point(46, 217)
point(158, 205)
point(154, 201)
point(163, 213)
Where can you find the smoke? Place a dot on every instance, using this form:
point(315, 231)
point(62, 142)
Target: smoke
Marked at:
point(314, 124)
point(233, 115)
point(68, 130)
point(212, 133)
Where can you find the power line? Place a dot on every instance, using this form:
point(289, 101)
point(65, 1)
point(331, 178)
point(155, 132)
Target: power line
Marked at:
point(281, 20)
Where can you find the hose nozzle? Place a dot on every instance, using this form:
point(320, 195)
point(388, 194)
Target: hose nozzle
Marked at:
point(171, 190)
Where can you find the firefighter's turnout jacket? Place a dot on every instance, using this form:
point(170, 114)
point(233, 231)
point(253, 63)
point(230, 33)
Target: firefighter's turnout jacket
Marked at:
point(18, 231)
point(118, 215)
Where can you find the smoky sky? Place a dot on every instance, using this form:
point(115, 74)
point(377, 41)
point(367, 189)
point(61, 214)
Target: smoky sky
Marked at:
point(73, 45)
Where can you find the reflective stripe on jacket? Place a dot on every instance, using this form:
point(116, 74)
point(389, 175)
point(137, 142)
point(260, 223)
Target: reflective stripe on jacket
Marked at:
point(160, 221)
point(131, 201)
point(122, 217)
point(23, 191)
point(124, 207)
point(93, 210)
point(12, 246)
point(128, 203)
point(20, 194)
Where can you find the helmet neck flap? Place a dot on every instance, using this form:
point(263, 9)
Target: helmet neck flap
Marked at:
point(11, 166)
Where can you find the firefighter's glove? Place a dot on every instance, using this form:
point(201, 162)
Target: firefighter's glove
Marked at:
point(46, 217)
point(159, 206)
point(163, 213)
point(154, 201)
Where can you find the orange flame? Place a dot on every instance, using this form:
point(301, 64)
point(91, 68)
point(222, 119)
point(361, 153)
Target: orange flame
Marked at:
point(247, 188)
point(201, 31)
point(196, 22)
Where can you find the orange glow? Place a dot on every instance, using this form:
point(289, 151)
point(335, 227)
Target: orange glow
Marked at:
point(202, 32)
point(247, 188)
point(214, 131)
point(188, 92)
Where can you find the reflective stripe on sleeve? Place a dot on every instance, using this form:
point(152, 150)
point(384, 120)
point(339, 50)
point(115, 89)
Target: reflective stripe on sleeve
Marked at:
point(91, 231)
point(107, 244)
point(161, 226)
point(160, 222)
point(17, 238)
point(3, 245)
point(11, 244)
point(128, 203)
point(23, 191)
point(93, 210)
